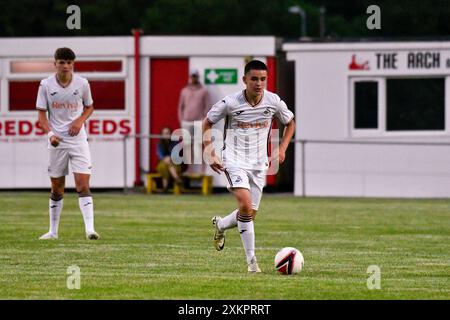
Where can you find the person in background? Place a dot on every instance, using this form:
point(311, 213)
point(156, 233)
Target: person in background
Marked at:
point(166, 167)
point(193, 105)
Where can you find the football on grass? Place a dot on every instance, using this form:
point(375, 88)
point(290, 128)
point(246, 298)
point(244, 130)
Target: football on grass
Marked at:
point(289, 261)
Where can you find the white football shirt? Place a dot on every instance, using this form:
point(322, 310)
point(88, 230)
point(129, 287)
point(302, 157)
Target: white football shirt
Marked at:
point(247, 128)
point(64, 105)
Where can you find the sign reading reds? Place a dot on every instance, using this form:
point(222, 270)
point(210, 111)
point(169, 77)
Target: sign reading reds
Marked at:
point(16, 127)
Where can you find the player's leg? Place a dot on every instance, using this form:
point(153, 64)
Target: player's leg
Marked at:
point(81, 166)
point(256, 182)
point(57, 169)
point(246, 226)
point(228, 222)
point(236, 179)
point(55, 206)
point(86, 204)
point(221, 225)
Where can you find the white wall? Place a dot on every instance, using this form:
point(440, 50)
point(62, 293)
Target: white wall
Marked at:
point(23, 160)
point(321, 96)
point(323, 112)
point(377, 170)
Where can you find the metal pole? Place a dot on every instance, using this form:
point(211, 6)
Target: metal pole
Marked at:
point(303, 169)
point(322, 21)
point(298, 10)
point(303, 15)
point(137, 111)
point(125, 187)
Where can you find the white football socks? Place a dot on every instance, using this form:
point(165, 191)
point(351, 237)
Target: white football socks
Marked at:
point(247, 233)
point(228, 222)
point(87, 210)
point(55, 208)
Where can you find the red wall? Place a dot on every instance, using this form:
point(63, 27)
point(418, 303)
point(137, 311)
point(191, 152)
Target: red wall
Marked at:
point(272, 86)
point(107, 94)
point(167, 78)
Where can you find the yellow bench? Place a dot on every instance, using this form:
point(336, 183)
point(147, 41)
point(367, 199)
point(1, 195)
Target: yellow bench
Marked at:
point(206, 184)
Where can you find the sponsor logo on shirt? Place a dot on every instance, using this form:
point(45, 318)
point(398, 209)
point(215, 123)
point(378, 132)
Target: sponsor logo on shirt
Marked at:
point(64, 105)
point(257, 124)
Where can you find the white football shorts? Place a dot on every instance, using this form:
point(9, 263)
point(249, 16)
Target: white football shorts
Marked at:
point(79, 158)
point(253, 180)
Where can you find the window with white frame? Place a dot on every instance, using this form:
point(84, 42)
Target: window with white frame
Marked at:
point(415, 104)
point(106, 78)
point(398, 104)
point(365, 105)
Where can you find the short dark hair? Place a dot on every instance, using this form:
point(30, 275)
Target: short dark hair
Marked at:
point(64, 54)
point(255, 65)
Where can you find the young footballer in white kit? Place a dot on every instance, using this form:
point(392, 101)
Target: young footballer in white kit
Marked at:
point(64, 103)
point(248, 120)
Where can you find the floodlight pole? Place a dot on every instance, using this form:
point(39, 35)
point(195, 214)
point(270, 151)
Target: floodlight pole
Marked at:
point(298, 10)
point(322, 21)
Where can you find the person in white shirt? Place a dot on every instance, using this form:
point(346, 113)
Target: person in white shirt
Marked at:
point(64, 103)
point(248, 120)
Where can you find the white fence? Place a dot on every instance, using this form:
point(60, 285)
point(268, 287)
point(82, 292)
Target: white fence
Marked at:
point(372, 169)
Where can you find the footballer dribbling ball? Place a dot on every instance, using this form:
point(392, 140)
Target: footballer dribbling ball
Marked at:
point(289, 261)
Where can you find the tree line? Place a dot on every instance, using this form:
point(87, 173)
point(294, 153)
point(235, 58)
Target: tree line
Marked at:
point(342, 19)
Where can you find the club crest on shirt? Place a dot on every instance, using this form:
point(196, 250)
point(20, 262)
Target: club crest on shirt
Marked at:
point(238, 112)
point(267, 111)
point(75, 92)
point(238, 179)
point(53, 93)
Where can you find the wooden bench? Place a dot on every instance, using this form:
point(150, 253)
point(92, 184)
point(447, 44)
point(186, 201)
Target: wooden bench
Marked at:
point(206, 184)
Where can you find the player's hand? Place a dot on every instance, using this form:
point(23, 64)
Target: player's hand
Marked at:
point(281, 156)
point(75, 127)
point(216, 165)
point(54, 140)
point(278, 155)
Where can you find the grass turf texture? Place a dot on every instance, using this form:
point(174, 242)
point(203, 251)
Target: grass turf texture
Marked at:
point(160, 247)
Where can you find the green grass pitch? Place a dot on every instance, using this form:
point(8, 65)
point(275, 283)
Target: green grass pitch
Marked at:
point(160, 247)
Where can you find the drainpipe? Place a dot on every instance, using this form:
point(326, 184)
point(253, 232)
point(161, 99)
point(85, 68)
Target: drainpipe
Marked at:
point(137, 111)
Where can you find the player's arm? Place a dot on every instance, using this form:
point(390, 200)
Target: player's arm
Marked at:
point(217, 112)
point(287, 118)
point(209, 150)
point(88, 103)
point(41, 106)
point(78, 123)
point(288, 133)
point(43, 121)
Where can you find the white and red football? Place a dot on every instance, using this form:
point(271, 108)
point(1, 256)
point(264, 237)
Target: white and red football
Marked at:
point(289, 261)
